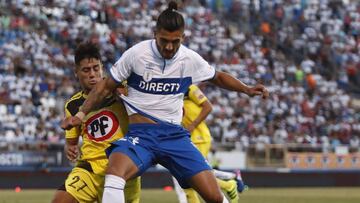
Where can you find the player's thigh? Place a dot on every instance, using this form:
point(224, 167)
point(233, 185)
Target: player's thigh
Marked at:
point(62, 196)
point(121, 165)
point(133, 190)
point(83, 185)
point(206, 185)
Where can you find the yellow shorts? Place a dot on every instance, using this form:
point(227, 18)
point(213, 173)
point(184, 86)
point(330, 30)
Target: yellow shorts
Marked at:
point(204, 148)
point(86, 186)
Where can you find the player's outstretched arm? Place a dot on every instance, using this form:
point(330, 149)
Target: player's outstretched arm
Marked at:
point(102, 89)
point(227, 81)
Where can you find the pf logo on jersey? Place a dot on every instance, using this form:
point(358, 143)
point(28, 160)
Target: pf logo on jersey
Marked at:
point(101, 126)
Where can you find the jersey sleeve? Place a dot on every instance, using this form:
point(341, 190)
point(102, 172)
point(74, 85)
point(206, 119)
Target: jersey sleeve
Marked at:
point(73, 132)
point(202, 69)
point(122, 69)
point(196, 95)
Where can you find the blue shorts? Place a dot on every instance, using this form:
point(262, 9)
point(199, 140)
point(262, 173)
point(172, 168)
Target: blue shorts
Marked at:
point(163, 143)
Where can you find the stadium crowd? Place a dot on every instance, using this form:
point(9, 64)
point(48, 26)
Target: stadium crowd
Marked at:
point(306, 52)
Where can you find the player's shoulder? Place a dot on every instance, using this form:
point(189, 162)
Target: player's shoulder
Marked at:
point(138, 50)
point(73, 104)
point(186, 50)
point(191, 56)
point(140, 47)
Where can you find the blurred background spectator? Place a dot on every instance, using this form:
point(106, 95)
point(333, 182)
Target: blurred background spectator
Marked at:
point(306, 51)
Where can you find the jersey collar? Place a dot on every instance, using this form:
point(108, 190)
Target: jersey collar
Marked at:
point(83, 94)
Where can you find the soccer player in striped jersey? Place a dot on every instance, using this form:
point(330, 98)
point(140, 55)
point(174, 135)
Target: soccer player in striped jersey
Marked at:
point(107, 123)
point(158, 73)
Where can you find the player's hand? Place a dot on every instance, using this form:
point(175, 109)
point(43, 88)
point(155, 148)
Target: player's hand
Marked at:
point(190, 128)
point(70, 122)
point(122, 91)
point(258, 90)
point(72, 152)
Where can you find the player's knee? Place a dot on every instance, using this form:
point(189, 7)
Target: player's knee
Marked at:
point(62, 197)
point(120, 171)
point(122, 166)
point(55, 200)
point(114, 170)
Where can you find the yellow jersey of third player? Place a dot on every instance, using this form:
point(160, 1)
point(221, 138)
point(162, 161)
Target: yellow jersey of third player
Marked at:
point(193, 99)
point(100, 127)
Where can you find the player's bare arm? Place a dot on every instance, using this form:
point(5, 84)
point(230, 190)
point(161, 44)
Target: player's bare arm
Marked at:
point(226, 81)
point(102, 89)
point(205, 111)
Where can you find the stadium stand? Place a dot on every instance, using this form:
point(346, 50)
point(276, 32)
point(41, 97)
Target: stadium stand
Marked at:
point(306, 52)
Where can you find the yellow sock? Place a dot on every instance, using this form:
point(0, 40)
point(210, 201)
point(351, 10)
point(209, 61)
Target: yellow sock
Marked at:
point(225, 185)
point(230, 188)
point(191, 196)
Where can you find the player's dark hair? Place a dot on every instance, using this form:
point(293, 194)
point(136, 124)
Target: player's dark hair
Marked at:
point(86, 50)
point(170, 19)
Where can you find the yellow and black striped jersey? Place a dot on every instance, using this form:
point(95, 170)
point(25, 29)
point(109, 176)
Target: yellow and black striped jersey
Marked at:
point(100, 127)
point(192, 108)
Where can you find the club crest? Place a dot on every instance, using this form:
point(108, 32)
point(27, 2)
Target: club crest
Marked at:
point(148, 73)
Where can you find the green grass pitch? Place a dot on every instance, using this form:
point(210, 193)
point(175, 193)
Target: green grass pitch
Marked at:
point(254, 195)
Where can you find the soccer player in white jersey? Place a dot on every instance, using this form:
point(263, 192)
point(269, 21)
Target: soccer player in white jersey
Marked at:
point(158, 73)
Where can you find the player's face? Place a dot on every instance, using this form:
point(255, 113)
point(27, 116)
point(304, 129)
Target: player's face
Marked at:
point(89, 72)
point(168, 43)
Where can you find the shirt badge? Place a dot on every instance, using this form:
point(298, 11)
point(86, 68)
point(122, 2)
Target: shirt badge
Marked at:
point(148, 74)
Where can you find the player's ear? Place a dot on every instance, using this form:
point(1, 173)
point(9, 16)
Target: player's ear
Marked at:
point(156, 32)
point(76, 70)
point(183, 37)
point(75, 73)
